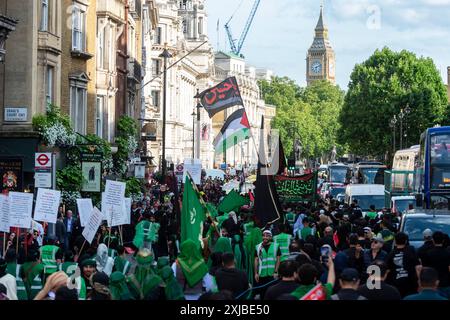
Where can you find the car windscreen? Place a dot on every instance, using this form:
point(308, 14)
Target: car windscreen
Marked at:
point(335, 191)
point(415, 226)
point(402, 205)
point(338, 174)
point(365, 201)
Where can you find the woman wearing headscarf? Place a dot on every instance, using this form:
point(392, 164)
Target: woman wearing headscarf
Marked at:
point(223, 245)
point(209, 280)
point(250, 242)
point(172, 288)
point(104, 262)
point(118, 287)
point(239, 252)
point(189, 270)
point(145, 284)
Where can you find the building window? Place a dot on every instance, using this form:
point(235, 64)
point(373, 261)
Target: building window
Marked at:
point(44, 15)
point(156, 67)
point(156, 98)
point(78, 29)
point(49, 84)
point(78, 107)
point(157, 39)
point(132, 42)
point(99, 114)
point(200, 25)
point(101, 48)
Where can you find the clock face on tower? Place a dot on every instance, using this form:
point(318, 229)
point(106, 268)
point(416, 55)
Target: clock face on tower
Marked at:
point(316, 67)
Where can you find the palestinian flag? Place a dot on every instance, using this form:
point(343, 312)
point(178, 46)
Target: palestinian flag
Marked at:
point(235, 130)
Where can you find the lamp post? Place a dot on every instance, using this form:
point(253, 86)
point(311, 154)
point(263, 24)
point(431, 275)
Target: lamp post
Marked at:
point(193, 133)
point(392, 125)
point(403, 113)
point(198, 138)
point(165, 55)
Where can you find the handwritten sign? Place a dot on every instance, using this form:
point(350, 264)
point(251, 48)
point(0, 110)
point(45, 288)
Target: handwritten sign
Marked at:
point(112, 202)
point(194, 167)
point(4, 213)
point(20, 209)
point(85, 208)
point(296, 189)
point(47, 204)
point(94, 223)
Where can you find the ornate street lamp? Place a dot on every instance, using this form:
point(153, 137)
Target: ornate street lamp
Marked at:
point(7, 25)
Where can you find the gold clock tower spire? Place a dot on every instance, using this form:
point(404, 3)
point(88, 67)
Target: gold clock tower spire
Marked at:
point(320, 61)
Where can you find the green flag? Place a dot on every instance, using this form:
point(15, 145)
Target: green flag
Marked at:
point(192, 214)
point(212, 209)
point(232, 202)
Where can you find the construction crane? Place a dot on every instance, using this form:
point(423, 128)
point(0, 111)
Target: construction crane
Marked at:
point(236, 49)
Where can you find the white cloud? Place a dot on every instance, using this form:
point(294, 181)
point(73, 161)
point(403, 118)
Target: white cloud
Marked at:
point(436, 2)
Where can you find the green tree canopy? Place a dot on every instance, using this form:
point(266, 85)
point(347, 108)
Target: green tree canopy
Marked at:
point(309, 114)
point(379, 88)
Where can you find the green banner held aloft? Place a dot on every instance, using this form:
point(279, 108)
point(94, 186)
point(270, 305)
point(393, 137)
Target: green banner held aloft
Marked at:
point(301, 188)
point(232, 202)
point(192, 214)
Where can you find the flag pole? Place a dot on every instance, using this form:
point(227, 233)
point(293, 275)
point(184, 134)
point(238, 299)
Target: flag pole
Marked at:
point(81, 250)
point(17, 241)
point(194, 186)
point(4, 243)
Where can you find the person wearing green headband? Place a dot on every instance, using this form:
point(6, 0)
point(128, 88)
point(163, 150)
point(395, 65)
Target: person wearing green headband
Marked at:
point(145, 284)
point(223, 245)
point(118, 287)
point(88, 268)
point(189, 269)
point(172, 288)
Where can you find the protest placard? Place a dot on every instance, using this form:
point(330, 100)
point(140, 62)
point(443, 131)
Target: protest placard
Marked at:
point(94, 223)
point(4, 213)
point(47, 204)
point(85, 208)
point(20, 209)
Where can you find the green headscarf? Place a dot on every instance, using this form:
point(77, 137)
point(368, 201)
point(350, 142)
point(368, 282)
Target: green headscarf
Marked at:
point(192, 263)
point(173, 289)
point(118, 287)
point(144, 279)
point(162, 262)
point(223, 245)
point(250, 242)
point(239, 255)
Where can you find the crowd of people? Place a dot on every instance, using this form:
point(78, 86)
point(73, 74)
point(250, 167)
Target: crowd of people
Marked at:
point(331, 246)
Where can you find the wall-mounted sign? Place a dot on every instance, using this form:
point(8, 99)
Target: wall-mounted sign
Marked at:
point(16, 114)
point(91, 167)
point(11, 174)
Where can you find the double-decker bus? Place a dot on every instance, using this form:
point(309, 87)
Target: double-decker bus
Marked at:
point(432, 169)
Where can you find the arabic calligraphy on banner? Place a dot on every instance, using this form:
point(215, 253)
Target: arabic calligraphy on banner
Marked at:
point(296, 189)
point(222, 96)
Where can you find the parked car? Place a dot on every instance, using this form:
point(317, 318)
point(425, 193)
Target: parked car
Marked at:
point(413, 224)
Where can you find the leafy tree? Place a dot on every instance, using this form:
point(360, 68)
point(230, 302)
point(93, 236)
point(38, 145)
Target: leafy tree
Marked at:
point(379, 88)
point(309, 114)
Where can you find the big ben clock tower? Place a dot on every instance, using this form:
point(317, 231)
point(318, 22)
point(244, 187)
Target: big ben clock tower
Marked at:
point(320, 62)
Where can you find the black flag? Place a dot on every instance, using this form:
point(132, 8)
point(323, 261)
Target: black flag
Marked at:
point(267, 204)
point(224, 95)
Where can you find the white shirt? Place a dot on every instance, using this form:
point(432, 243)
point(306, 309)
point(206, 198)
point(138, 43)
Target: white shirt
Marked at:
point(9, 282)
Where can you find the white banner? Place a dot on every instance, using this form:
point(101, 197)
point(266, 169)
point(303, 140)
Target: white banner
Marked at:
point(4, 213)
point(194, 167)
point(94, 223)
point(112, 202)
point(47, 205)
point(85, 208)
point(20, 209)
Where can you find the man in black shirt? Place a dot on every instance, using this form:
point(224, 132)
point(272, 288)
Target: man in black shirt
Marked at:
point(230, 278)
point(438, 258)
point(427, 245)
point(288, 273)
point(376, 288)
point(349, 282)
point(403, 265)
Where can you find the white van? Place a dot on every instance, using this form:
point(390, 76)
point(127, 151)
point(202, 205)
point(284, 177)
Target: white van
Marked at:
point(366, 194)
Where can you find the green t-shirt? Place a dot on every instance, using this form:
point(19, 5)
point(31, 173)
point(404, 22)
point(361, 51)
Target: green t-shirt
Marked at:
point(302, 290)
point(372, 215)
point(306, 231)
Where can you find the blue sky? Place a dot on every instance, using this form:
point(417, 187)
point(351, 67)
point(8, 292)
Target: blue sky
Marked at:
point(283, 30)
